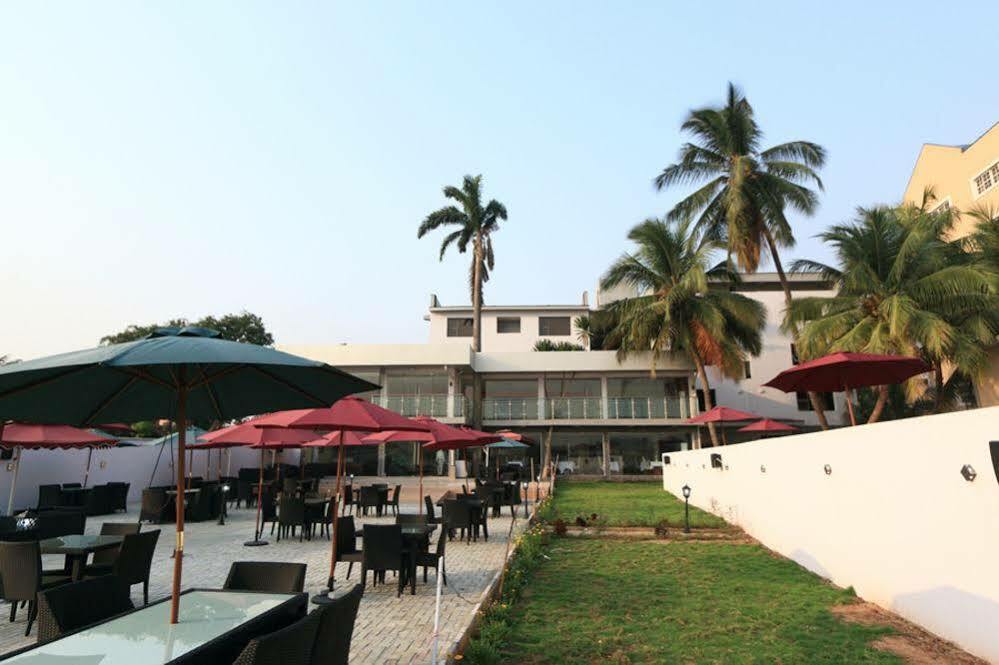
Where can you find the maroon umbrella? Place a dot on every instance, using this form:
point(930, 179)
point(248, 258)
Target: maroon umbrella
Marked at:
point(768, 425)
point(350, 414)
point(722, 414)
point(265, 438)
point(845, 371)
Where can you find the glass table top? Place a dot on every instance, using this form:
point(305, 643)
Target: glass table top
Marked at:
point(146, 636)
point(77, 542)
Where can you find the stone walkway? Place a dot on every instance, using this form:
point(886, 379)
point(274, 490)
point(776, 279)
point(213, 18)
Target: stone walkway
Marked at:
point(388, 630)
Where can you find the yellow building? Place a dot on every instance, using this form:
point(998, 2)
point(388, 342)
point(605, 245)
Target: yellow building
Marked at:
point(963, 177)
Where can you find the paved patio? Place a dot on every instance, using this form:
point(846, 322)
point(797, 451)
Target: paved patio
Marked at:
point(388, 629)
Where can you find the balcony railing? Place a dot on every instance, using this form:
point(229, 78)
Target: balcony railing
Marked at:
point(642, 408)
point(510, 408)
point(573, 408)
point(434, 406)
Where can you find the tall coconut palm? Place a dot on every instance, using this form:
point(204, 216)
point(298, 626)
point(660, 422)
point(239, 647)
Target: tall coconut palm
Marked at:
point(475, 224)
point(745, 190)
point(902, 288)
point(676, 310)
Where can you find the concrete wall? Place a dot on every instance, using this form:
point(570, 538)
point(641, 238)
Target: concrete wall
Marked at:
point(132, 465)
point(495, 341)
point(895, 519)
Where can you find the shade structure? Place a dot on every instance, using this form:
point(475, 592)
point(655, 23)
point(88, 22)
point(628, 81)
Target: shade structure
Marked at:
point(845, 371)
point(507, 443)
point(722, 414)
point(21, 435)
point(193, 433)
point(351, 414)
point(178, 373)
point(768, 425)
point(515, 436)
point(334, 439)
point(115, 427)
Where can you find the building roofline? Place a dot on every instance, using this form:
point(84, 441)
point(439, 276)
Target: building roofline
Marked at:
point(962, 148)
point(509, 308)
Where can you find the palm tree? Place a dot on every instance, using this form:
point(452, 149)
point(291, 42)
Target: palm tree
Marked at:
point(476, 224)
point(745, 190)
point(902, 288)
point(676, 311)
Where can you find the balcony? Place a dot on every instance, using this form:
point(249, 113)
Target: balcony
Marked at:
point(434, 406)
point(585, 408)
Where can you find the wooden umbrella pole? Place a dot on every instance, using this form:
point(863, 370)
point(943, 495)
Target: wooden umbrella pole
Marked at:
point(260, 495)
point(178, 560)
point(849, 406)
point(86, 473)
point(333, 511)
point(419, 456)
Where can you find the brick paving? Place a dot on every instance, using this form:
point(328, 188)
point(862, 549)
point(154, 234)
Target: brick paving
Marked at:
point(388, 630)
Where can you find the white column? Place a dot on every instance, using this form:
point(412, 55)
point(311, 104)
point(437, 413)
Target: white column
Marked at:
point(692, 395)
point(541, 397)
point(452, 381)
point(605, 445)
point(604, 399)
point(381, 459)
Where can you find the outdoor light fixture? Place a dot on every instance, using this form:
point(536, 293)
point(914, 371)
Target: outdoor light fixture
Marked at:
point(527, 498)
point(686, 508)
point(716, 461)
point(763, 468)
point(665, 460)
point(969, 472)
point(225, 492)
point(828, 469)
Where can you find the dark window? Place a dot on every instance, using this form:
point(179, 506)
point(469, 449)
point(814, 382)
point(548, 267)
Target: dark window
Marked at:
point(805, 404)
point(794, 355)
point(508, 324)
point(701, 406)
point(554, 325)
point(459, 327)
point(747, 370)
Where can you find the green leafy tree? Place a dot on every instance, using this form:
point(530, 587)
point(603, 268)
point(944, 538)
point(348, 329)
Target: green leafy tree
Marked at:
point(243, 327)
point(475, 223)
point(744, 190)
point(679, 311)
point(551, 345)
point(902, 288)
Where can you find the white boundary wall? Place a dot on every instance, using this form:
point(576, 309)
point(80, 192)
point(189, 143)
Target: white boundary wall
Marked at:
point(895, 518)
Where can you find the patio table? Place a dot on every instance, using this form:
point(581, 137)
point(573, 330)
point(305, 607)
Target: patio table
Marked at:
point(77, 548)
point(213, 627)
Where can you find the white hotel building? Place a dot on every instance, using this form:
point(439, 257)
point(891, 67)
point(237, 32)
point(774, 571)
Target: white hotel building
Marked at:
point(608, 418)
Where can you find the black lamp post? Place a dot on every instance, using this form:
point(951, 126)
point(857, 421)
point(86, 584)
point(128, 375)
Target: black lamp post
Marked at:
point(225, 492)
point(527, 498)
point(686, 508)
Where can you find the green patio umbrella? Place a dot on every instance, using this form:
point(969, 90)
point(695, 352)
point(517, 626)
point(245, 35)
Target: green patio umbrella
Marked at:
point(183, 374)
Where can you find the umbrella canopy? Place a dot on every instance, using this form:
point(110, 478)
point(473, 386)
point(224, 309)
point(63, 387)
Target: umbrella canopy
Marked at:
point(192, 433)
point(349, 413)
point(247, 434)
point(842, 371)
point(332, 439)
point(115, 427)
point(178, 373)
point(722, 414)
point(50, 436)
point(507, 443)
point(515, 436)
point(768, 425)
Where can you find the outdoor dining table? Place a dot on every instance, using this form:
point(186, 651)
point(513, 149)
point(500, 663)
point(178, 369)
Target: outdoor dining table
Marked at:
point(77, 548)
point(414, 537)
point(213, 627)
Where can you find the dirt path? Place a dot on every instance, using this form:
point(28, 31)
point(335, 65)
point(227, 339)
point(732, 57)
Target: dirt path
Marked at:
point(911, 643)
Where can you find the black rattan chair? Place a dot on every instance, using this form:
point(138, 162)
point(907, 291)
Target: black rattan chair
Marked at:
point(98, 501)
point(69, 607)
point(291, 516)
point(458, 515)
point(268, 509)
point(393, 503)
point(266, 576)
point(346, 544)
point(370, 498)
point(62, 522)
point(23, 577)
point(49, 496)
point(135, 560)
point(119, 496)
point(347, 500)
point(430, 559)
point(431, 513)
point(336, 627)
point(156, 506)
point(103, 560)
point(382, 551)
point(291, 645)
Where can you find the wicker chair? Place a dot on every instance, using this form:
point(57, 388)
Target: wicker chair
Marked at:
point(382, 551)
point(431, 512)
point(71, 606)
point(119, 496)
point(266, 576)
point(393, 503)
point(268, 509)
point(291, 516)
point(346, 543)
point(430, 559)
point(62, 522)
point(336, 627)
point(347, 500)
point(135, 560)
point(49, 496)
point(291, 645)
point(23, 577)
point(370, 498)
point(103, 560)
point(156, 506)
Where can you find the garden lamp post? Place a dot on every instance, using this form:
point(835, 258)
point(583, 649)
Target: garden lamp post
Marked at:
point(527, 498)
point(225, 493)
point(686, 508)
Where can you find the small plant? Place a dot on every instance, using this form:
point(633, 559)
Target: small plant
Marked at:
point(661, 529)
point(560, 527)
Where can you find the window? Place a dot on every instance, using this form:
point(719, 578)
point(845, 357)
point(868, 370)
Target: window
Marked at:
point(794, 355)
point(508, 324)
point(987, 179)
point(747, 370)
point(701, 406)
point(459, 327)
point(943, 206)
point(805, 404)
point(554, 325)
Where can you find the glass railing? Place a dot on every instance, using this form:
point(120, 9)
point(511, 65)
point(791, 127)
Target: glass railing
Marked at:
point(644, 408)
point(434, 406)
point(573, 408)
point(510, 408)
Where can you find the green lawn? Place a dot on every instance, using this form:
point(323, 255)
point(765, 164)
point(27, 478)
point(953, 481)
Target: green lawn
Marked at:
point(624, 504)
point(612, 601)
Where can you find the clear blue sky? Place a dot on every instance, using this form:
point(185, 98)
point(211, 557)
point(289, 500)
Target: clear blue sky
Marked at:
point(186, 158)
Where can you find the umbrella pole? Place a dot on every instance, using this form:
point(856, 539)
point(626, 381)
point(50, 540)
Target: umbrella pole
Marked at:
point(13, 480)
point(333, 511)
point(86, 474)
point(256, 542)
point(849, 407)
point(178, 560)
point(419, 457)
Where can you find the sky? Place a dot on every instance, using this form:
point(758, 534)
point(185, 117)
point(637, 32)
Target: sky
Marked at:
point(179, 159)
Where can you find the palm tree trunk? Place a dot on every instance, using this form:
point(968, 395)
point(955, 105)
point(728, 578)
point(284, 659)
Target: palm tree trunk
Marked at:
point(879, 406)
point(812, 395)
point(702, 374)
point(938, 393)
point(477, 295)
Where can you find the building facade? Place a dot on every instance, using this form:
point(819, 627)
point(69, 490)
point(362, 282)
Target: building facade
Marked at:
point(963, 177)
point(605, 416)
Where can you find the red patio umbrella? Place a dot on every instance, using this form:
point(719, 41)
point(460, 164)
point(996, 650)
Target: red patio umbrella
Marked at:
point(351, 414)
point(264, 438)
point(845, 371)
point(722, 414)
point(768, 425)
point(514, 436)
point(18, 436)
